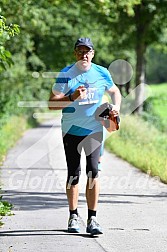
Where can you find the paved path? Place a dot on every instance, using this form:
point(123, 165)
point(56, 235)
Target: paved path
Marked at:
point(132, 207)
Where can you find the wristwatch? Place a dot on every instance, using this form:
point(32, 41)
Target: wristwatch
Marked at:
point(70, 97)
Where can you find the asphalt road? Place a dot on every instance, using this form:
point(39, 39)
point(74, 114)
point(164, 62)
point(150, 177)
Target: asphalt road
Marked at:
point(132, 206)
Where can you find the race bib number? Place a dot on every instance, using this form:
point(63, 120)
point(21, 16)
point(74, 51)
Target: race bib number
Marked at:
point(91, 97)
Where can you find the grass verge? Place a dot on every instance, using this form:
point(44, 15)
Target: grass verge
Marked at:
point(10, 132)
point(142, 145)
point(156, 107)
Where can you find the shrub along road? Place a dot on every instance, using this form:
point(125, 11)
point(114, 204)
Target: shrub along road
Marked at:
point(132, 206)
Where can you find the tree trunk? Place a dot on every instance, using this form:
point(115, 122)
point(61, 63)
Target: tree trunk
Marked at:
point(140, 78)
point(141, 29)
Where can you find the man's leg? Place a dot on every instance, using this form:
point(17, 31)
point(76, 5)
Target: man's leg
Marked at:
point(92, 187)
point(92, 193)
point(73, 165)
point(92, 147)
point(102, 149)
point(72, 196)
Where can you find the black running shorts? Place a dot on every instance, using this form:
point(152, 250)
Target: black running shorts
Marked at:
point(73, 146)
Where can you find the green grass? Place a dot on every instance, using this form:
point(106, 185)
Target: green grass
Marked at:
point(142, 145)
point(159, 94)
point(10, 132)
point(142, 141)
point(156, 107)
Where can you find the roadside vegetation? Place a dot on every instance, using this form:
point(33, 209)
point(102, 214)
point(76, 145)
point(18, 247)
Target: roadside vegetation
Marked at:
point(5, 209)
point(155, 107)
point(10, 132)
point(143, 141)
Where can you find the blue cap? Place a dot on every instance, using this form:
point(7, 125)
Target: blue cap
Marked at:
point(84, 42)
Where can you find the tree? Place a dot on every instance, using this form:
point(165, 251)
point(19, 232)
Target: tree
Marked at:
point(150, 20)
point(134, 25)
point(50, 28)
point(156, 67)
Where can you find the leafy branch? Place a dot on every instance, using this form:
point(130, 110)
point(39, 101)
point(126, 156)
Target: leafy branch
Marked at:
point(6, 32)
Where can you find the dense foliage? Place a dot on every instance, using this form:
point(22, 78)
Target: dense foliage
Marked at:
point(48, 30)
point(6, 32)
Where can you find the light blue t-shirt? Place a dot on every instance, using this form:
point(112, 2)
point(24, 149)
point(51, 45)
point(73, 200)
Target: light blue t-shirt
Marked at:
point(79, 117)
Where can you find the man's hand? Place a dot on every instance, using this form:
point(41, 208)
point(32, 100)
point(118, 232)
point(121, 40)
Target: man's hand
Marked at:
point(108, 115)
point(80, 93)
point(115, 110)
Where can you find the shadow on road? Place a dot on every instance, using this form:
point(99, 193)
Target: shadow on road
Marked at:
point(36, 200)
point(41, 232)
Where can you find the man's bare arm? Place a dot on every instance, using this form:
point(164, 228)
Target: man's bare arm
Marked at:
point(116, 98)
point(59, 100)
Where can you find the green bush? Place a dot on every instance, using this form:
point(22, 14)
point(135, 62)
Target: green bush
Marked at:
point(5, 209)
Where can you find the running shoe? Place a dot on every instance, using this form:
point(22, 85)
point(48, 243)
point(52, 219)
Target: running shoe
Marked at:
point(73, 224)
point(93, 226)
